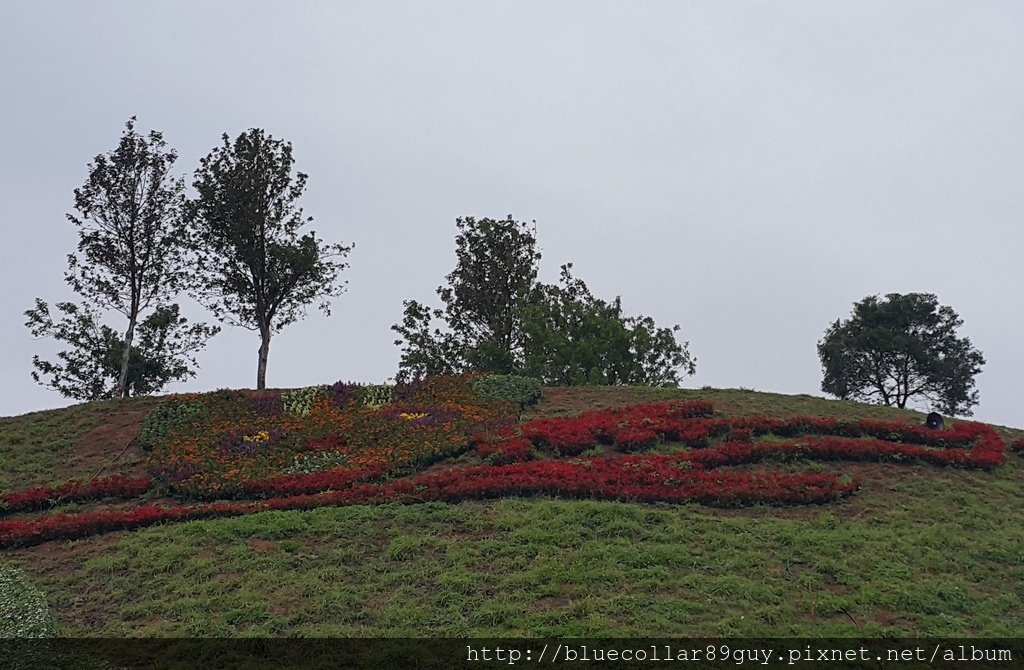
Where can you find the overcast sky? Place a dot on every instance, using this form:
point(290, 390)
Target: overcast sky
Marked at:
point(747, 170)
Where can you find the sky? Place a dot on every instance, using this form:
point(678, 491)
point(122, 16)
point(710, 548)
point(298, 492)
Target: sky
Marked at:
point(747, 170)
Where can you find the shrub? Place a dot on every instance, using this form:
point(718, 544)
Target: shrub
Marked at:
point(509, 451)
point(41, 497)
point(740, 435)
point(167, 416)
point(408, 389)
point(524, 391)
point(632, 438)
point(23, 610)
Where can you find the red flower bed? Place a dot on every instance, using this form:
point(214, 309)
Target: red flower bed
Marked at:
point(42, 497)
point(642, 426)
point(632, 438)
point(842, 448)
point(314, 482)
point(570, 436)
point(507, 451)
point(26, 532)
point(645, 478)
point(638, 478)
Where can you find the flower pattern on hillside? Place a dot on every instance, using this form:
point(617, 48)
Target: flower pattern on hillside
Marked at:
point(328, 446)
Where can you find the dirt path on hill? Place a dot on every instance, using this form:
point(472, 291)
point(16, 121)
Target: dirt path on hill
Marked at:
point(99, 447)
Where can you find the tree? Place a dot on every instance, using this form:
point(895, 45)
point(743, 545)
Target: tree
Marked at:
point(132, 256)
point(497, 318)
point(574, 338)
point(903, 347)
point(427, 351)
point(486, 293)
point(162, 352)
point(255, 269)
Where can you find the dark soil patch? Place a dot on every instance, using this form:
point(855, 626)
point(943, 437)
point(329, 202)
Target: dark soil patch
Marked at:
point(60, 556)
point(551, 603)
point(891, 619)
point(100, 449)
point(262, 546)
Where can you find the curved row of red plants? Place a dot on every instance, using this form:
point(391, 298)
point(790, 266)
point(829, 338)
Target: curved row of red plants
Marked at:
point(689, 475)
point(627, 478)
point(44, 497)
point(967, 443)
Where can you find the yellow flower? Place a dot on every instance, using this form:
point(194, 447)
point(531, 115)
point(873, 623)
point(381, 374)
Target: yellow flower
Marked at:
point(262, 436)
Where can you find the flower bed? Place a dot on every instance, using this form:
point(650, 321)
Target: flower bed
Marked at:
point(645, 478)
point(967, 444)
point(238, 439)
point(42, 497)
point(258, 453)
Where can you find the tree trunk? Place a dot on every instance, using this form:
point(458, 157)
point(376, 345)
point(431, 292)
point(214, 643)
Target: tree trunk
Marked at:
point(261, 370)
point(122, 379)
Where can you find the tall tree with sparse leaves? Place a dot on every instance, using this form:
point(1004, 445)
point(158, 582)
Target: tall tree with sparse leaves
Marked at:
point(484, 298)
point(893, 350)
point(133, 256)
point(256, 270)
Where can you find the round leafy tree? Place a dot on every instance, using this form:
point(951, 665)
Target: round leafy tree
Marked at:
point(902, 347)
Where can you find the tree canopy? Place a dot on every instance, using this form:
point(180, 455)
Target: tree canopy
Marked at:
point(485, 295)
point(902, 347)
point(498, 318)
point(163, 351)
point(256, 269)
point(133, 257)
point(574, 338)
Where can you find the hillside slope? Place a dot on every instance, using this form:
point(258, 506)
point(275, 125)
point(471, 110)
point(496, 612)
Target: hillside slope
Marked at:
point(920, 550)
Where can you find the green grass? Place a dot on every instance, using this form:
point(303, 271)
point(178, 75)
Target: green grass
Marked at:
point(921, 550)
point(727, 402)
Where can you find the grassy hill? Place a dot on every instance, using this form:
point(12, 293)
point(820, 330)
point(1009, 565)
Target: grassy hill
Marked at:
point(918, 550)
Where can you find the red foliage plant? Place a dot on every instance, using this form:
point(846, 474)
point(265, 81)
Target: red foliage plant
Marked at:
point(507, 451)
point(41, 497)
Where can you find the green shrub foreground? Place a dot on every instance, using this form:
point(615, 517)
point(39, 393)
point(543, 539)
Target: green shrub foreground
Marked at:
point(23, 609)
